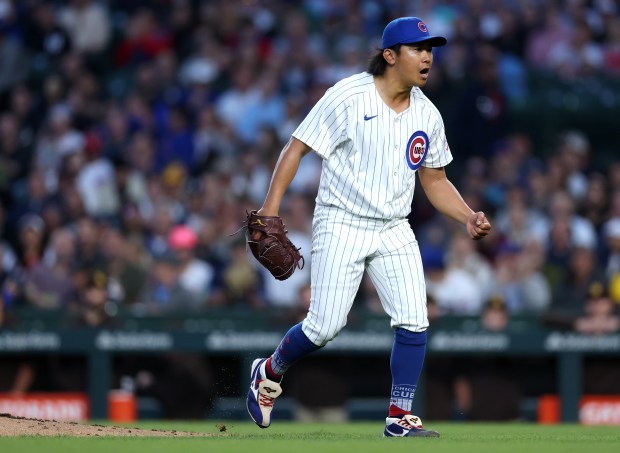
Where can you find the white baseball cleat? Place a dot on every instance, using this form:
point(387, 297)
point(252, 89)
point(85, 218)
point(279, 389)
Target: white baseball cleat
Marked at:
point(262, 394)
point(407, 426)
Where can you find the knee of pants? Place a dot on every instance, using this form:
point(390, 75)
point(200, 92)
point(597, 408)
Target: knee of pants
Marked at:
point(321, 333)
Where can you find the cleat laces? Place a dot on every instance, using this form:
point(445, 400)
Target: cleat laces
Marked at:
point(404, 424)
point(265, 401)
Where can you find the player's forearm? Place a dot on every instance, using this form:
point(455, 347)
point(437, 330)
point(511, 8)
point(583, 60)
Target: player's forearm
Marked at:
point(283, 174)
point(447, 200)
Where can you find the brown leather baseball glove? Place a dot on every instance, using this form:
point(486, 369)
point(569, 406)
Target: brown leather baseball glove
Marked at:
point(269, 244)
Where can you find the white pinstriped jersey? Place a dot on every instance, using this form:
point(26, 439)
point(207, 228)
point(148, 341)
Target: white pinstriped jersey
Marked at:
point(370, 153)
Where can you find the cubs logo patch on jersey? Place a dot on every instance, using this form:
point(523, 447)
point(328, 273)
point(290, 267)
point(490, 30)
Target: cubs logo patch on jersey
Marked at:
point(417, 147)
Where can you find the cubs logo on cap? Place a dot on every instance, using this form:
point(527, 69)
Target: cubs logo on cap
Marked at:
point(417, 147)
point(409, 30)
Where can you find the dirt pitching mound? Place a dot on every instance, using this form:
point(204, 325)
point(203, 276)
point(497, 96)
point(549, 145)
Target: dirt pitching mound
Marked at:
point(19, 426)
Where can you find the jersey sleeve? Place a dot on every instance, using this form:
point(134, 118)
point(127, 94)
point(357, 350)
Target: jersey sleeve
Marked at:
point(439, 154)
point(324, 128)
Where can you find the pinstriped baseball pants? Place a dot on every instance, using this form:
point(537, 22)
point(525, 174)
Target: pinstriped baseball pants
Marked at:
point(343, 247)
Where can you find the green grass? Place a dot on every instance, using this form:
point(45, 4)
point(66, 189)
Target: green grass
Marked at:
point(284, 437)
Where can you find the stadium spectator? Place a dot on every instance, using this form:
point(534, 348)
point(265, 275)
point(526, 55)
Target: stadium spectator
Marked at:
point(125, 269)
point(595, 314)
point(611, 237)
point(251, 179)
point(144, 39)
point(163, 292)
point(614, 204)
point(267, 110)
point(482, 106)
point(8, 260)
point(574, 153)
point(59, 141)
point(595, 204)
point(14, 59)
point(611, 49)
point(45, 38)
point(93, 303)
point(175, 143)
point(49, 284)
point(495, 315)
point(32, 235)
point(96, 182)
point(562, 209)
point(463, 255)
point(15, 156)
point(540, 43)
point(159, 225)
point(195, 275)
point(600, 315)
point(71, 205)
point(213, 140)
point(241, 279)
point(520, 279)
point(569, 294)
point(454, 289)
point(558, 249)
point(517, 222)
point(537, 188)
point(88, 24)
point(579, 56)
point(233, 102)
point(88, 253)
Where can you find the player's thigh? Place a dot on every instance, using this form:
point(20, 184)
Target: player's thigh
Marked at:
point(339, 250)
point(398, 277)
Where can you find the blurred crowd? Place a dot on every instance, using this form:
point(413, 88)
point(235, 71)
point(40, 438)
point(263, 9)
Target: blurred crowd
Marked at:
point(134, 136)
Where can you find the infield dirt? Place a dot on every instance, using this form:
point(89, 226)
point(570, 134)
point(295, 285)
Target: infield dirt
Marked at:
point(18, 426)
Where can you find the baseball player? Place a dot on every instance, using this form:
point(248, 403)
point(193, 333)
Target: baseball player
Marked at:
point(374, 131)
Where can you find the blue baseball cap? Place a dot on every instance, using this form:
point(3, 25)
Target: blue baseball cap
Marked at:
point(408, 30)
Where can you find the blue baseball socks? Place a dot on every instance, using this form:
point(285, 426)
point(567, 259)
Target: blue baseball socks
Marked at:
point(405, 362)
point(293, 347)
point(406, 365)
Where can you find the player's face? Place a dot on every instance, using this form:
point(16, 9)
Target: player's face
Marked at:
point(415, 63)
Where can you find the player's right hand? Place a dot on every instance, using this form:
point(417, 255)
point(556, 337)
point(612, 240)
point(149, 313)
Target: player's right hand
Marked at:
point(478, 226)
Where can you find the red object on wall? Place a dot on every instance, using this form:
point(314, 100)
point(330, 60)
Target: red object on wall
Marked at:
point(122, 406)
point(593, 409)
point(46, 406)
point(600, 410)
point(549, 409)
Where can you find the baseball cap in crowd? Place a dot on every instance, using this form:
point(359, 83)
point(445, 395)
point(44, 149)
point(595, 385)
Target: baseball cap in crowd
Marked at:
point(182, 237)
point(408, 30)
point(497, 302)
point(597, 290)
point(97, 279)
point(32, 222)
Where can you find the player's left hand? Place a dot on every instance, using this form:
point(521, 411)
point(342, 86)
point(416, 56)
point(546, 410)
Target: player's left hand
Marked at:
point(478, 226)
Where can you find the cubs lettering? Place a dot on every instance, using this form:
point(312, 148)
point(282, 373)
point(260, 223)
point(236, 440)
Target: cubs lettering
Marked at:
point(403, 391)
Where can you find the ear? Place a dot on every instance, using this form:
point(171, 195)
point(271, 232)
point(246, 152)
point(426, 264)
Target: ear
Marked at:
point(390, 56)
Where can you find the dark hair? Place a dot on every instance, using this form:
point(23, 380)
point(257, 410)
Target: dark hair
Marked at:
point(377, 64)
